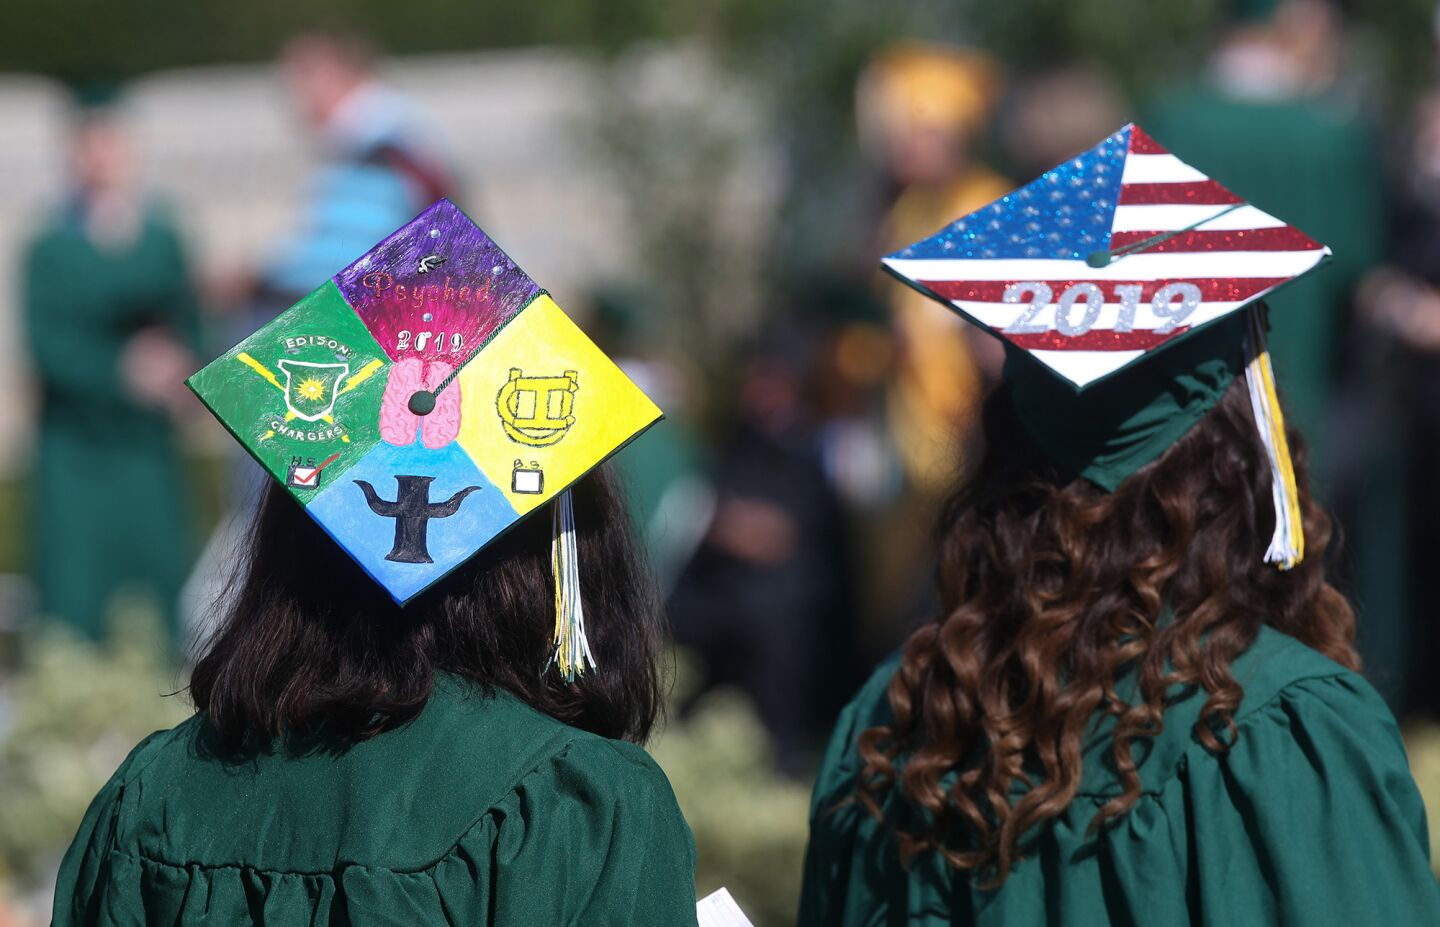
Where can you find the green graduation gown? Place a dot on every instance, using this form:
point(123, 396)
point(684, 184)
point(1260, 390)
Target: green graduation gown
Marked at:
point(110, 500)
point(479, 811)
point(1311, 820)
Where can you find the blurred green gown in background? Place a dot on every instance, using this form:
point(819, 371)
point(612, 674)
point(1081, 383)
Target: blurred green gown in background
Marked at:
point(1316, 164)
point(110, 500)
point(1315, 161)
point(1311, 818)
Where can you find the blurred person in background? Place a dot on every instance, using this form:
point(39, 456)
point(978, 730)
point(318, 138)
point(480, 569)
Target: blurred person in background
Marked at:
point(1273, 121)
point(382, 162)
point(669, 498)
point(765, 600)
point(1055, 113)
point(922, 111)
point(1277, 119)
point(854, 348)
point(111, 319)
point(1400, 409)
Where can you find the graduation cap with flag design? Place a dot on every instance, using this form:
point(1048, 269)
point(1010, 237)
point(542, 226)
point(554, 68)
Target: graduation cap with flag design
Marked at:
point(424, 400)
point(1124, 264)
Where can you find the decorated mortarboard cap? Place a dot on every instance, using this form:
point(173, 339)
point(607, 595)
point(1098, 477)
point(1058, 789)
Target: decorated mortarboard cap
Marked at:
point(424, 400)
point(1126, 286)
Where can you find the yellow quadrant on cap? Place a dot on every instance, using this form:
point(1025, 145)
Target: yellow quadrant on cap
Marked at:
point(542, 405)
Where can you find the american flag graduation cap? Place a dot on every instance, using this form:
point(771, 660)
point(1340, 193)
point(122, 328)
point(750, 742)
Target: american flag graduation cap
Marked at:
point(424, 400)
point(1101, 265)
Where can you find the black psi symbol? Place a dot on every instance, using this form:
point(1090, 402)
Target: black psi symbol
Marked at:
point(412, 511)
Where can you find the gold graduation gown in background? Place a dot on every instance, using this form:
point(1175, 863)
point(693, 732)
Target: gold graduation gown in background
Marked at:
point(935, 393)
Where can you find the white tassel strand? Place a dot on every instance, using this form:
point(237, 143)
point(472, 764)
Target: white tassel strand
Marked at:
point(572, 651)
point(1287, 544)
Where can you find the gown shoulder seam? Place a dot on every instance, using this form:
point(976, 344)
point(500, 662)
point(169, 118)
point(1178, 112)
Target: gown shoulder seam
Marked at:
point(1249, 714)
point(418, 869)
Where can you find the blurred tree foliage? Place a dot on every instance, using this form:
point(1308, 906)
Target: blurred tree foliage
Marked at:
point(70, 715)
point(750, 823)
point(1422, 742)
point(84, 40)
point(821, 42)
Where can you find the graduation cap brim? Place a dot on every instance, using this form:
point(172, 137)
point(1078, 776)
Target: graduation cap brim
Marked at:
point(1156, 354)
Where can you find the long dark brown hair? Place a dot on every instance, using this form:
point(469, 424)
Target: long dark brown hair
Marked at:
point(310, 645)
point(1051, 590)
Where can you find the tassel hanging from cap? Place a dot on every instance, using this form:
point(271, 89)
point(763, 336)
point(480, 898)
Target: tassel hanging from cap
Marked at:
point(1287, 545)
point(572, 651)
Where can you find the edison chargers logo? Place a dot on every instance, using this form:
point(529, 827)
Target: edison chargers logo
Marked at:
point(537, 411)
point(310, 390)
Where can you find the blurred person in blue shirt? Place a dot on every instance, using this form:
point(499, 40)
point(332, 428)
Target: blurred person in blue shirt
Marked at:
point(382, 162)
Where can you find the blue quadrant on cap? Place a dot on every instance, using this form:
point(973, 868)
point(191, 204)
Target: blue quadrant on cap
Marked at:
point(411, 487)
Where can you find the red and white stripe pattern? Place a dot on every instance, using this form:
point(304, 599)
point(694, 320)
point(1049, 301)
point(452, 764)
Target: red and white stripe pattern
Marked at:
point(1199, 232)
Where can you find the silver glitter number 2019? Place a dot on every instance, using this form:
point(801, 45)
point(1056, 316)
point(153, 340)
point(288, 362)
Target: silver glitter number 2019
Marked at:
point(1172, 303)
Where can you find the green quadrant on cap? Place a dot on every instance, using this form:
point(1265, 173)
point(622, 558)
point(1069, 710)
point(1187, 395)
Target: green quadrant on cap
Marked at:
point(302, 394)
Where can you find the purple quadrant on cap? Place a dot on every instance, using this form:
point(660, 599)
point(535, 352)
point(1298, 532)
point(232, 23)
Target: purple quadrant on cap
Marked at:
point(411, 514)
point(437, 288)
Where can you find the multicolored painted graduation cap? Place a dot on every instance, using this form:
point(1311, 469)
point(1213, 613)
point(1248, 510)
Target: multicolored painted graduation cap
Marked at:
point(425, 399)
point(1103, 263)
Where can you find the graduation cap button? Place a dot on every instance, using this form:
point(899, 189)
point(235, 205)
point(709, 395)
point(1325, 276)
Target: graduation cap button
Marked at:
point(422, 402)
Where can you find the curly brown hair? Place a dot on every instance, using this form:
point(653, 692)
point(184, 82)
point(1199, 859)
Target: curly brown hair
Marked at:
point(1052, 590)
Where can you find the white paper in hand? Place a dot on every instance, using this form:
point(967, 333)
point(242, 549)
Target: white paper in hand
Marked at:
point(720, 910)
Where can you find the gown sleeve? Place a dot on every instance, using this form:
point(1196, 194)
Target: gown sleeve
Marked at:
point(841, 876)
point(1312, 817)
point(594, 837)
point(80, 887)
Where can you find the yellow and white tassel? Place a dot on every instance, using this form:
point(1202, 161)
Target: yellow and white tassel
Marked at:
point(1287, 545)
point(572, 651)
